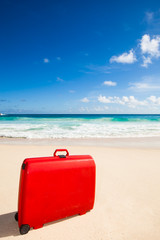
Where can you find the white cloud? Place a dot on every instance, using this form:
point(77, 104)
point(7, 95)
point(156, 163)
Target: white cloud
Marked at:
point(46, 60)
point(149, 16)
point(150, 46)
point(84, 109)
point(103, 99)
point(117, 100)
point(59, 79)
point(130, 101)
point(154, 100)
point(144, 86)
point(125, 58)
point(124, 103)
point(133, 102)
point(146, 61)
point(100, 109)
point(85, 100)
point(110, 83)
point(125, 99)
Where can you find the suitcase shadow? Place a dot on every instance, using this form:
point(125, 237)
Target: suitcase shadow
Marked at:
point(8, 225)
point(60, 220)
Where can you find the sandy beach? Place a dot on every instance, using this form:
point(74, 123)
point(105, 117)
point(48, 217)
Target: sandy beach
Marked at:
point(127, 205)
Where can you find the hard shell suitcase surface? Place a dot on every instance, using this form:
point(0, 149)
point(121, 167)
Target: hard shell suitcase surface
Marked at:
point(54, 187)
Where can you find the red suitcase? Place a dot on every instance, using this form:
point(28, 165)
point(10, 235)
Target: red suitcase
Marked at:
point(55, 187)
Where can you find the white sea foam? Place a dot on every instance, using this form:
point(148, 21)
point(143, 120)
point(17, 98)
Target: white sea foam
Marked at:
point(77, 128)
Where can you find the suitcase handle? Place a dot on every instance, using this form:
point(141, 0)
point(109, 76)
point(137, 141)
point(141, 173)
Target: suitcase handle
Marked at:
point(61, 150)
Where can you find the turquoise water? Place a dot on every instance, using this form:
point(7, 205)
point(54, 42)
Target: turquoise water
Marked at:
point(79, 126)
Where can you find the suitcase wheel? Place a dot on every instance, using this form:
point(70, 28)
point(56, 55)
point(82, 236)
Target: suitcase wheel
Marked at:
point(16, 216)
point(24, 229)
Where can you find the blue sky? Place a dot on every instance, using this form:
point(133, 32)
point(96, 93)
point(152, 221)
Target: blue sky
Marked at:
point(79, 56)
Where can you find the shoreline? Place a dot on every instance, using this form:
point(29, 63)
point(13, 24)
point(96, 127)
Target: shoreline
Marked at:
point(132, 142)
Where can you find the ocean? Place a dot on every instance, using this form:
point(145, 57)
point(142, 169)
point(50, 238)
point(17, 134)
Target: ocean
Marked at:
point(53, 126)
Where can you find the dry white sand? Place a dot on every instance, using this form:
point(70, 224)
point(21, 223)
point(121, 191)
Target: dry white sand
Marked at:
point(127, 205)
